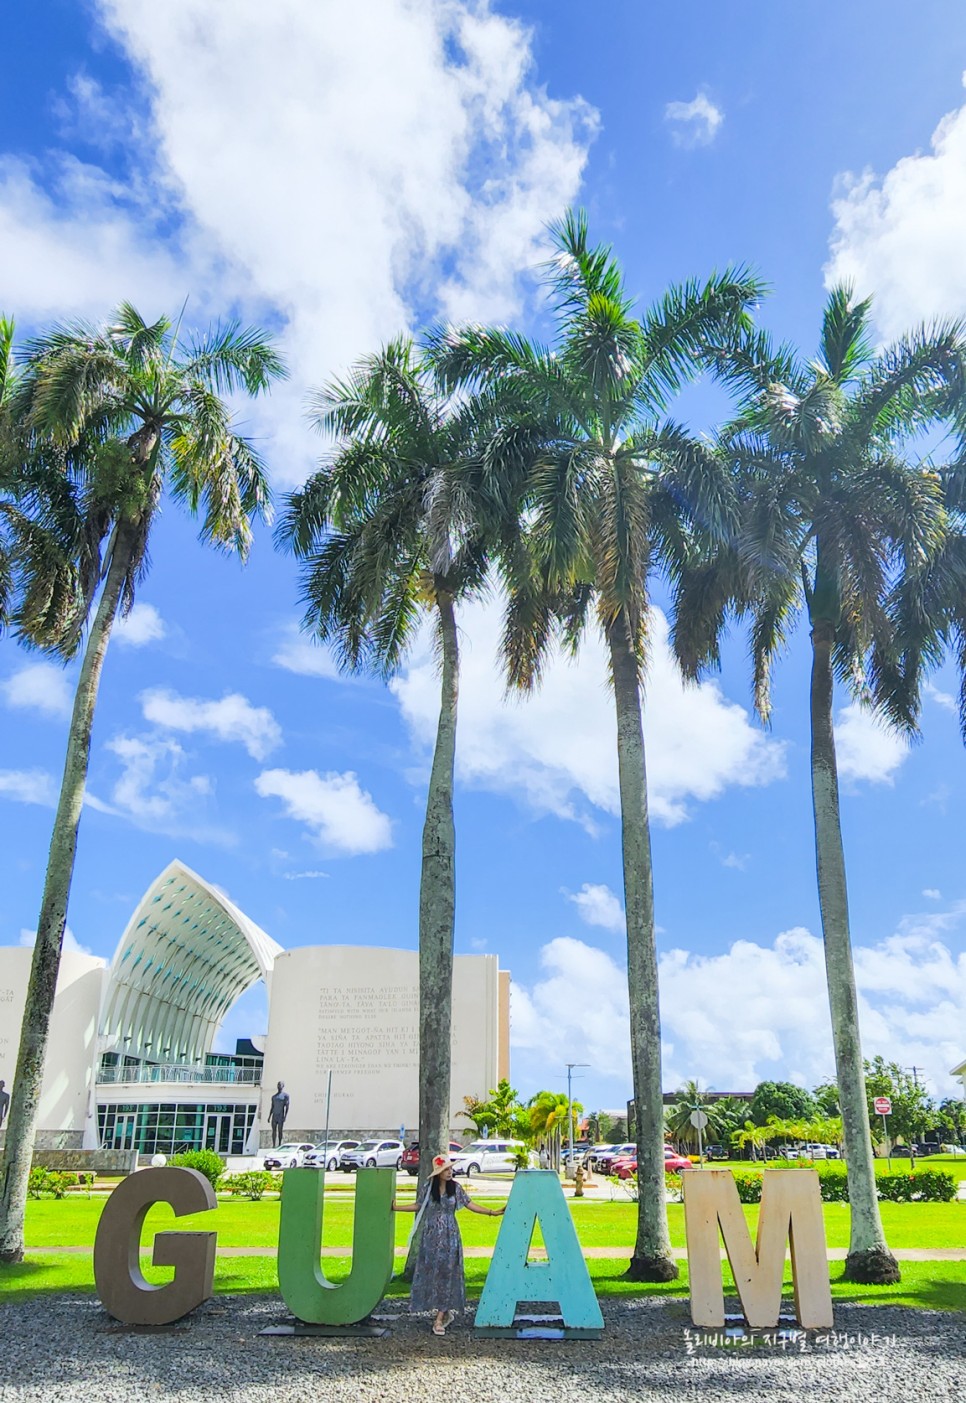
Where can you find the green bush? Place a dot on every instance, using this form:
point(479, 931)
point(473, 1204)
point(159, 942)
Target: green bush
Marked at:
point(206, 1162)
point(921, 1186)
point(253, 1183)
point(749, 1187)
point(49, 1181)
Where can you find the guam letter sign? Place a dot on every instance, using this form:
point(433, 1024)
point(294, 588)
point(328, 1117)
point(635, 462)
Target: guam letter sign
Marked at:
point(791, 1211)
point(536, 1197)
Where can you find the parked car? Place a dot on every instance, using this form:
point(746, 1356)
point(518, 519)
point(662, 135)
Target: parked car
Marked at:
point(490, 1157)
point(372, 1154)
point(605, 1161)
point(717, 1152)
point(410, 1156)
point(674, 1163)
point(952, 1150)
point(289, 1156)
point(328, 1156)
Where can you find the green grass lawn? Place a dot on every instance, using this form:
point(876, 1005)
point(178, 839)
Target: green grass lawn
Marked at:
point(72, 1222)
point(932, 1285)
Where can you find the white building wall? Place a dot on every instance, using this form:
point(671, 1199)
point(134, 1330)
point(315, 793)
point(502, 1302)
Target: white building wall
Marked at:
point(66, 1103)
point(355, 1010)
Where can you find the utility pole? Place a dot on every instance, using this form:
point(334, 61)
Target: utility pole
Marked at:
point(915, 1081)
point(570, 1118)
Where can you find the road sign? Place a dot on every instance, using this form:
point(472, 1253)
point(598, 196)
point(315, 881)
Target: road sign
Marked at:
point(699, 1120)
point(883, 1106)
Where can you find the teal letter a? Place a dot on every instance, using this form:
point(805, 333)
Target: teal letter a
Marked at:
point(536, 1197)
point(305, 1290)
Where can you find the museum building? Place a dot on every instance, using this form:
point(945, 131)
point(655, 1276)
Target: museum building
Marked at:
point(130, 1062)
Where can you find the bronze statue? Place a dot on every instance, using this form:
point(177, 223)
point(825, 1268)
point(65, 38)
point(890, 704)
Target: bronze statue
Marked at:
point(4, 1103)
point(279, 1112)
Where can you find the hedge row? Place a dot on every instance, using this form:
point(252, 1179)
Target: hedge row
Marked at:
point(921, 1186)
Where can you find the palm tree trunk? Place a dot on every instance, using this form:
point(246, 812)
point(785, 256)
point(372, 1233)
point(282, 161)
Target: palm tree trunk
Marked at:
point(437, 911)
point(869, 1258)
point(652, 1259)
point(25, 1096)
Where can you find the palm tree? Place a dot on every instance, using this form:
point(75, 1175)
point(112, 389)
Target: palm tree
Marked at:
point(390, 530)
point(549, 1115)
point(690, 1098)
point(126, 412)
point(838, 518)
point(610, 485)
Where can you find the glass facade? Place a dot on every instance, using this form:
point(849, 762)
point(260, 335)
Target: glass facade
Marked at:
point(167, 1128)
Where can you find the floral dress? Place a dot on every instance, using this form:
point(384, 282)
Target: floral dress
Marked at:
point(438, 1278)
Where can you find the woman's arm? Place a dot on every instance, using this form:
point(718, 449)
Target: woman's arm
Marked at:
point(487, 1212)
point(403, 1207)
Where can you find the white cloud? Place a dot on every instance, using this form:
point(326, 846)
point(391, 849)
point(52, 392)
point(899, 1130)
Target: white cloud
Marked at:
point(766, 1004)
point(233, 718)
point(154, 791)
point(340, 813)
point(70, 943)
point(943, 699)
point(143, 625)
point(405, 168)
point(865, 748)
point(312, 875)
point(298, 653)
point(932, 893)
point(72, 240)
point(738, 861)
point(558, 749)
point(28, 787)
point(598, 906)
point(693, 123)
point(39, 687)
point(901, 235)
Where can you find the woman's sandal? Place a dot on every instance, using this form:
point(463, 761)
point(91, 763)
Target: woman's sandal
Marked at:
point(438, 1328)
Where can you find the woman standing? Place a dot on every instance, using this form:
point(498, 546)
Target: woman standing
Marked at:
point(438, 1283)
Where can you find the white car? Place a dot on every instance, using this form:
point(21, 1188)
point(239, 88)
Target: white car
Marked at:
point(289, 1156)
point(328, 1156)
point(372, 1154)
point(490, 1157)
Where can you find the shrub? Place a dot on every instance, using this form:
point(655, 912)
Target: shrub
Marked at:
point(834, 1185)
point(921, 1186)
point(749, 1187)
point(49, 1181)
point(206, 1162)
point(253, 1183)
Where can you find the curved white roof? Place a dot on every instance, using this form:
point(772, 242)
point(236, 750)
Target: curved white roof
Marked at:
point(187, 954)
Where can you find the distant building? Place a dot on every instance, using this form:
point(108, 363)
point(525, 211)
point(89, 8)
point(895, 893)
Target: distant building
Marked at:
point(960, 1072)
point(130, 1062)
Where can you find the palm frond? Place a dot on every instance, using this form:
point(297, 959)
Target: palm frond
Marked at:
point(846, 341)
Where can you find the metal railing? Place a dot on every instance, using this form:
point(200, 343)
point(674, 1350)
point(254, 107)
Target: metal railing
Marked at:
point(178, 1072)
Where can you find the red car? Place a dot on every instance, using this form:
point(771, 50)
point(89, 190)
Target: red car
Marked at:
point(673, 1164)
point(410, 1157)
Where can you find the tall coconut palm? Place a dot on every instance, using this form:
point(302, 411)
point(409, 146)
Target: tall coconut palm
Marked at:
point(611, 485)
point(390, 531)
point(837, 512)
point(128, 412)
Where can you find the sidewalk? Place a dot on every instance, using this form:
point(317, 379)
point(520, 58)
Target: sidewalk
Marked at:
point(834, 1254)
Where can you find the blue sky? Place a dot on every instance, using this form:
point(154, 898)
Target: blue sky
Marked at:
point(337, 173)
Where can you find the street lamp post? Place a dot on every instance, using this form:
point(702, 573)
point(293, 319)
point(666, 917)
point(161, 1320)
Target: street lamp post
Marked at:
point(570, 1118)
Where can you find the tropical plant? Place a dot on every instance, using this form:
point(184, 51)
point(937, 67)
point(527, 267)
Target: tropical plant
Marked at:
point(551, 1118)
point(390, 531)
point(124, 411)
point(836, 513)
point(691, 1098)
point(750, 1136)
point(609, 485)
point(207, 1162)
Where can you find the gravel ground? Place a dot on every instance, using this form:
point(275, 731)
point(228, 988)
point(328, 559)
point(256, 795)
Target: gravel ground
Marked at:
point(62, 1349)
